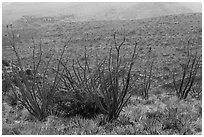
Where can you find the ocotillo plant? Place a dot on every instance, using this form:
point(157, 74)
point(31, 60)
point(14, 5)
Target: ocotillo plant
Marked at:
point(103, 83)
point(147, 76)
point(189, 69)
point(36, 96)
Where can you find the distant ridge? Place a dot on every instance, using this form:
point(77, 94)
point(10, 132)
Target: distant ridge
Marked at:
point(148, 10)
point(97, 11)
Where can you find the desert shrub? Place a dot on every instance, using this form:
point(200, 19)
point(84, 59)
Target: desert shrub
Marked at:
point(185, 82)
point(35, 95)
point(105, 84)
point(146, 78)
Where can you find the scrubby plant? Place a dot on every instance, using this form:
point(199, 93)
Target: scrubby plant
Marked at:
point(106, 84)
point(147, 76)
point(35, 95)
point(189, 71)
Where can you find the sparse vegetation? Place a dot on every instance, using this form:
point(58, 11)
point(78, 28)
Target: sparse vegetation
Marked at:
point(94, 90)
point(189, 70)
point(147, 79)
point(36, 96)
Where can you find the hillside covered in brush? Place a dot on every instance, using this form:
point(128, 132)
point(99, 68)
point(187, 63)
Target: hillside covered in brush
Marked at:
point(160, 33)
point(131, 76)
